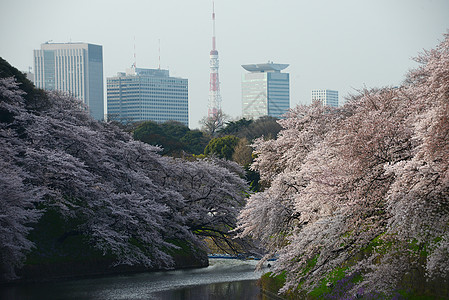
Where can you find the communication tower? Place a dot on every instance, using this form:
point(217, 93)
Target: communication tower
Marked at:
point(214, 84)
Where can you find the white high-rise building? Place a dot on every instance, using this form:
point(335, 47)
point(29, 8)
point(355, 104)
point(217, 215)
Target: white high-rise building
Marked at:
point(265, 90)
point(147, 94)
point(75, 68)
point(326, 97)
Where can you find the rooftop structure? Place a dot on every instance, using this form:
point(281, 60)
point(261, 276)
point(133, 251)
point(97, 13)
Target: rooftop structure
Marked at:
point(267, 67)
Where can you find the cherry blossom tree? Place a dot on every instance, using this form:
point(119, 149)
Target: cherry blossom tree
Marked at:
point(97, 174)
point(213, 192)
point(18, 198)
point(123, 196)
point(418, 199)
point(271, 215)
point(362, 188)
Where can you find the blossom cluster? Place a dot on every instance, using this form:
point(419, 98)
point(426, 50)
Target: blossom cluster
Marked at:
point(126, 198)
point(364, 186)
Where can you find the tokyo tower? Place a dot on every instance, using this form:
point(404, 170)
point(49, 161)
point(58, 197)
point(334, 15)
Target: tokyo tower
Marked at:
point(214, 84)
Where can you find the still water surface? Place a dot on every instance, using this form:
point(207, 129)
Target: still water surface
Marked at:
point(223, 279)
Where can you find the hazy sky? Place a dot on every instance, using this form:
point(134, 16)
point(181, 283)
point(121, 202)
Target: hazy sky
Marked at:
point(342, 45)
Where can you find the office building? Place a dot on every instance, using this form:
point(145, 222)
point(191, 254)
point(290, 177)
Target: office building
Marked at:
point(326, 97)
point(147, 94)
point(265, 90)
point(75, 68)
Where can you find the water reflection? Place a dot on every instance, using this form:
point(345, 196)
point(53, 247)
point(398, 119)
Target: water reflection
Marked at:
point(217, 291)
point(223, 279)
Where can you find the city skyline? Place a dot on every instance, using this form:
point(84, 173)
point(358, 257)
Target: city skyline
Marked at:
point(345, 45)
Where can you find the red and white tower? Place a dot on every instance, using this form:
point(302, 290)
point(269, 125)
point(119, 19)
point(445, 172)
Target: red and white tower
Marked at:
point(214, 84)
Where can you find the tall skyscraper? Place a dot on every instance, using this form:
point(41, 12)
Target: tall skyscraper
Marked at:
point(75, 68)
point(147, 94)
point(265, 90)
point(214, 83)
point(326, 97)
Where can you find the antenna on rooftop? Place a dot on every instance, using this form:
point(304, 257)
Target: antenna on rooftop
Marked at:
point(135, 61)
point(213, 30)
point(159, 54)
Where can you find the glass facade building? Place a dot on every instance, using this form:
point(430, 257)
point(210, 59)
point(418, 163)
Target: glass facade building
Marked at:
point(147, 94)
point(75, 68)
point(326, 97)
point(265, 91)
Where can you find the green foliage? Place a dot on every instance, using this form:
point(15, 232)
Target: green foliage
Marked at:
point(234, 127)
point(337, 282)
point(411, 295)
point(174, 129)
point(195, 141)
point(378, 245)
point(222, 147)
point(253, 178)
point(63, 251)
point(251, 129)
point(187, 255)
point(310, 264)
point(146, 130)
point(271, 284)
point(151, 133)
point(174, 137)
point(267, 127)
point(58, 240)
point(420, 248)
point(243, 153)
point(328, 282)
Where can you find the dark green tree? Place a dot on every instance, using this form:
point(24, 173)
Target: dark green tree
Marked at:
point(266, 126)
point(222, 147)
point(235, 127)
point(175, 138)
point(195, 141)
point(152, 133)
point(174, 129)
point(243, 155)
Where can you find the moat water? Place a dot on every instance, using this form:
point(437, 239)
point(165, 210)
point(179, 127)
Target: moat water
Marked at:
point(223, 279)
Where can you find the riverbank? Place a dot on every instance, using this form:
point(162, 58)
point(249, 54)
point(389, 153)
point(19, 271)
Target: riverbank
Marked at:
point(96, 266)
point(62, 252)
